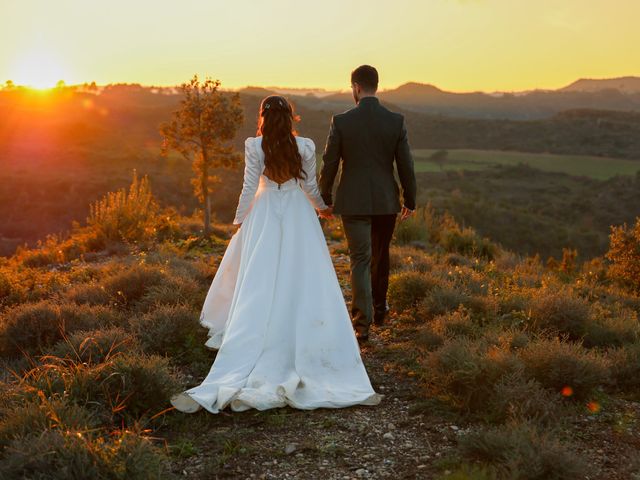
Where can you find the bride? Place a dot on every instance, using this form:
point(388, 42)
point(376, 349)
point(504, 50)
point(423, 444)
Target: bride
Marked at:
point(275, 311)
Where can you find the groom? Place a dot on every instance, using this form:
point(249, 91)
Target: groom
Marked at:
point(368, 138)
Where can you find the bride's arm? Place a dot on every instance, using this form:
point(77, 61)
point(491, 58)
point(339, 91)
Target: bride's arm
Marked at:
point(250, 183)
point(310, 184)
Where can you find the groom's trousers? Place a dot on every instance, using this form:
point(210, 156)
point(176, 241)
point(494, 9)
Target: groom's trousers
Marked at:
point(368, 237)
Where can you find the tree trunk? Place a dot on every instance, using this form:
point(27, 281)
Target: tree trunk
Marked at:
point(204, 185)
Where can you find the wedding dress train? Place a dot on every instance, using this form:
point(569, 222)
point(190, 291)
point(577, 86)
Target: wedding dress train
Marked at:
point(275, 311)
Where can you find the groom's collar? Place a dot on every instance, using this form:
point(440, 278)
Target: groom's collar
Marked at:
point(368, 101)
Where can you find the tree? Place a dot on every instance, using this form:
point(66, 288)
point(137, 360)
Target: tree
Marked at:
point(624, 253)
point(202, 130)
point(9, 85)
point(439, 157)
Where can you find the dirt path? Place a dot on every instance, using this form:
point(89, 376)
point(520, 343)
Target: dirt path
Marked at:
point(382, 441)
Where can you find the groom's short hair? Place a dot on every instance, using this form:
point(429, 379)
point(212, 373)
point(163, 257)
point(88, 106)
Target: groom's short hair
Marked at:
point(366, 76)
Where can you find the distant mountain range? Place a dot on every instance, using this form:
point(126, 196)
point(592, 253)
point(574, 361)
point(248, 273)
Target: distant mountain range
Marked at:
point(622, 84)
point(602, 94)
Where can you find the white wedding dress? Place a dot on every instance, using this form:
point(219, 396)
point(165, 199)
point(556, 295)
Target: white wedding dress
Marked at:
point(275, 311)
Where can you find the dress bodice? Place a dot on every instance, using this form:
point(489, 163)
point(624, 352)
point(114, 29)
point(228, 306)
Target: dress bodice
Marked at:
point(255, 179)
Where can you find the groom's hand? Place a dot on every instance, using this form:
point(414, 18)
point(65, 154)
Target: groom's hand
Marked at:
point(406, 213)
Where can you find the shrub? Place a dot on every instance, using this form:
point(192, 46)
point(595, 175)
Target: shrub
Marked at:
point(172, 330)
point(466, 241)
point(427, 338)
point(95, 346)
point(11, 292)
point(441, 300)
point(33, 326)
point(128, 385)
point(128, 216)
point(406, 289)
point(90, 294)
point(173, 291)
point(624, 254)
point(625, 368)
point(565, 367)
point(21, 420)
point(423, 226)
point(523, 452)
point(61, 455)
point(409, 258)
point(131, 284)
point(614, 327)
point(466, 371)
point(518, 398)
point(559, 311)
point(454, 324)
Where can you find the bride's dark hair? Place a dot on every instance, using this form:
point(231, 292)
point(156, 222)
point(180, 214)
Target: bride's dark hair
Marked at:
point(282, 160)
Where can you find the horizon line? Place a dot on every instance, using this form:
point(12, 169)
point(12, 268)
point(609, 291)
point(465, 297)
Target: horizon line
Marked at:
point(321, 89)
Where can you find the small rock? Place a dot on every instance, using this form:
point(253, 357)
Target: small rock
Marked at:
point(290, 448)
point(391, 426)
point(388, 436)
point(455, 428)
point(361, 472)
point(420, 467)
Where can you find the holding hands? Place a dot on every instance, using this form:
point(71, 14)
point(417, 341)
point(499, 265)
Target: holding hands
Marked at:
point(326, 213)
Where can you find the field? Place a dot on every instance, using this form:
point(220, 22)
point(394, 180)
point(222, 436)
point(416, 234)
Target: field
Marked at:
point(600, 168)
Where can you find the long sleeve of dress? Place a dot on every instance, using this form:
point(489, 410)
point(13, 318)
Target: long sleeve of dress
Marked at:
point(252, 171)
point(310, 185)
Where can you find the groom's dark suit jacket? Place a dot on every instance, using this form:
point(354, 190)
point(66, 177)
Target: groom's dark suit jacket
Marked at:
point(368, 138)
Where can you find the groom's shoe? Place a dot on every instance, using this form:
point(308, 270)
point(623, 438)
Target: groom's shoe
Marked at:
point(378, 318)
point(380, 315)
point(362, 334)
point(362, 337)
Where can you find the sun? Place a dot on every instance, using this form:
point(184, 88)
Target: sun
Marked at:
point(38, 69)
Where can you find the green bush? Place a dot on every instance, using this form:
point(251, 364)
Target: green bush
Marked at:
point(172, 330)
point(466, 241)
point(127, 385)
point(466, 371)
point(612, 328)
point(33, 326)
point(455, 324)
point(26, 418)
point(130, 285)
point(95, 346)
point(517, 398)
point(625, 368)
point(173, 291)
point(126, 215)
point(559, 311)
point(68, 454)
point(406, 289)
point(441, 300)
point(409, 258)
point(565, 367)
point(523, 452)
point(624, 254)
point(89, 293)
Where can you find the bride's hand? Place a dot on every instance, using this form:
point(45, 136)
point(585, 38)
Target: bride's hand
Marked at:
point(326, 213)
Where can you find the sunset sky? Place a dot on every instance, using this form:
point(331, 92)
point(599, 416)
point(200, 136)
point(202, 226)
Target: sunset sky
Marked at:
point(458, 45)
